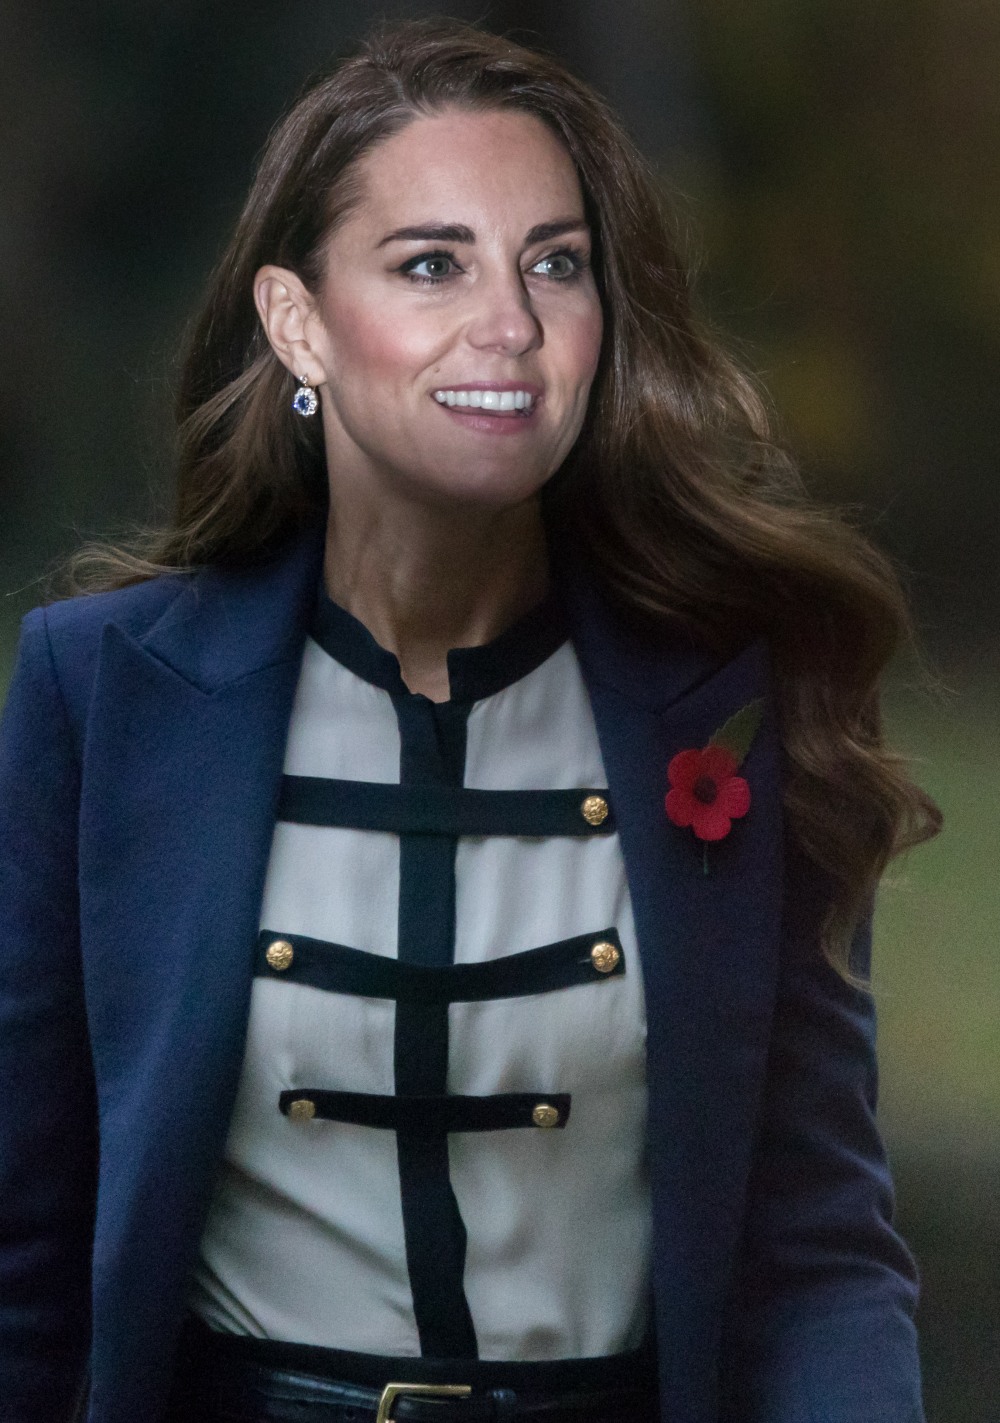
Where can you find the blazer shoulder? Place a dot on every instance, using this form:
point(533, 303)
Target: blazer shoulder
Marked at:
point(660, 667)
point(75, 625)
point(134, 607)
point(72, 630)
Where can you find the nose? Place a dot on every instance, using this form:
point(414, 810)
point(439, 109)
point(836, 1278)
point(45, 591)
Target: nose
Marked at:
point(504, 319)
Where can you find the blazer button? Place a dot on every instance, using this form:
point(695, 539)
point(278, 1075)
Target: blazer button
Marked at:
point(545, 1116)
point(302, 1109)
point(604, 956)
point(594, 810)
point(280, 954)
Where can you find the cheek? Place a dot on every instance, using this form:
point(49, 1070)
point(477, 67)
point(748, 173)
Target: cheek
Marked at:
point(581, 354)
point(371, 341)
point(582, 345)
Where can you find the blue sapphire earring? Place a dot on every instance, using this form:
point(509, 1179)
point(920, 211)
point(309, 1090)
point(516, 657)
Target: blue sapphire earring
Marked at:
point(305, 401)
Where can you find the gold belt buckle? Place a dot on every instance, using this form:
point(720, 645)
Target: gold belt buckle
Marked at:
point(392, 1391)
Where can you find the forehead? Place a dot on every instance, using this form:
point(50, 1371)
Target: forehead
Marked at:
point(480, 169)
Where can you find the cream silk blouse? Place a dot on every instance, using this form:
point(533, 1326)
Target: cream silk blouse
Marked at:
point(437, 1145)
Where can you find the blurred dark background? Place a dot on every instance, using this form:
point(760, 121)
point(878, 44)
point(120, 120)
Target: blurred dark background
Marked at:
point(836, 164)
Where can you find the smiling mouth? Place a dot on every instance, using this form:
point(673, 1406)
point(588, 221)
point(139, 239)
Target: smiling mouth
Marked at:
point(510, 403)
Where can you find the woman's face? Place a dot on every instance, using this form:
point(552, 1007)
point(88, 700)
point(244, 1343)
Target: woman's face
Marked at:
point(458, 327)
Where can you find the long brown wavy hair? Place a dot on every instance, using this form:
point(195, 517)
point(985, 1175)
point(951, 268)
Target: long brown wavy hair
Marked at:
point(686, 507)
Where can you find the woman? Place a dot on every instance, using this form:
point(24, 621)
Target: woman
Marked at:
point(437, 873)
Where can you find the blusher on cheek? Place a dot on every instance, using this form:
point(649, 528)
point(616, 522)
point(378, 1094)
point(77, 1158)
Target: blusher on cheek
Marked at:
point(358, 329)
point(386, 345)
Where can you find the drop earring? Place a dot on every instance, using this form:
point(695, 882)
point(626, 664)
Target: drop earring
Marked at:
point(305, 401)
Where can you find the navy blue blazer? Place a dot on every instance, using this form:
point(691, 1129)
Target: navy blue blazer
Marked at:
point(140, 760)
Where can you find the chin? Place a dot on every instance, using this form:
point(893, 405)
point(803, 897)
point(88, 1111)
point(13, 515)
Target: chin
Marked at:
point(487, 495)
point(483, 489)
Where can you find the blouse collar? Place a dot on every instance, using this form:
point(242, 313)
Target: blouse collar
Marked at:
point(473, 672)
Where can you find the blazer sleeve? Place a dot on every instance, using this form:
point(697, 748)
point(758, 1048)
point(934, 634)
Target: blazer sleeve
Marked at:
point(48, 1129)
point(822, 1330)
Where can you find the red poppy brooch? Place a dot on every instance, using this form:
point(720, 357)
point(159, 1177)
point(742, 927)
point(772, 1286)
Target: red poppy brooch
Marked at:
point(705, 791)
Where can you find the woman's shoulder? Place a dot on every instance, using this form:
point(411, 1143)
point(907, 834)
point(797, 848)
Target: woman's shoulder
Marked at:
point(67, 634)
point(75, 625)
point(209, 624)
point(132, 608)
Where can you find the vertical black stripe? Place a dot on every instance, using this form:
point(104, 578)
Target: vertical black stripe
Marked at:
point(432, 751)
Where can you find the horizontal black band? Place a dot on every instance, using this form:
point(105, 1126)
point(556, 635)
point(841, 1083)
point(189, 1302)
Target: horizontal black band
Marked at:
point(442, 809)
point(429, 1116)
point(318, 963)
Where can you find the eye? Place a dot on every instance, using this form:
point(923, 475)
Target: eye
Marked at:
point(560, 266)
point(431, 267)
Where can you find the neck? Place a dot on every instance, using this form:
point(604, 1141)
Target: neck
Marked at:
point(423, 580)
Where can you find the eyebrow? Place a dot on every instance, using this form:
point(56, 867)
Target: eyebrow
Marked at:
point(456, 232)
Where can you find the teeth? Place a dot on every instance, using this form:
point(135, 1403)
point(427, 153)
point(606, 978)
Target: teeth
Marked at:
point(486, 399)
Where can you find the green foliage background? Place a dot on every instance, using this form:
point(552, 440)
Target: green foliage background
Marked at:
point(850, 206)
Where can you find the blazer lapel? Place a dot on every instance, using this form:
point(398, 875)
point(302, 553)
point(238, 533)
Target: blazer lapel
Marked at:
point(708, 943)
point(182, 768)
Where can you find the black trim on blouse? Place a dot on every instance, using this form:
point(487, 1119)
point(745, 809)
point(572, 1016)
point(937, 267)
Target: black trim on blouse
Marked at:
point(430, 1117)
point(473, 672)
point(426, 808)
point(432, 751)
point(335, 968)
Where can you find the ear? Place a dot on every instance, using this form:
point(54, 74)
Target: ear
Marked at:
point(285, 307)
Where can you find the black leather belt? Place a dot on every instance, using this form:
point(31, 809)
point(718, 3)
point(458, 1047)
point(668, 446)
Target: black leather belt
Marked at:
point(224, 1379)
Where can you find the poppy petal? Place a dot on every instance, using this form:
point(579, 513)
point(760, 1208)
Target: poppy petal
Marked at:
point(711, 823)
point(734, 797)
point(684, 769)
point(717, 762)
point(681, 806)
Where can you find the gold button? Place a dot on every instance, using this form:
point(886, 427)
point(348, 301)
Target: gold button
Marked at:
point(594, 810)
point(604, 956)
point(545, 1116)
point(280, 954)
point(302, 1110)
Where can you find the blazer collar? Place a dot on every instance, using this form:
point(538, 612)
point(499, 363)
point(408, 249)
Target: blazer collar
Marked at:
point(228, 624)
point(648, 671)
